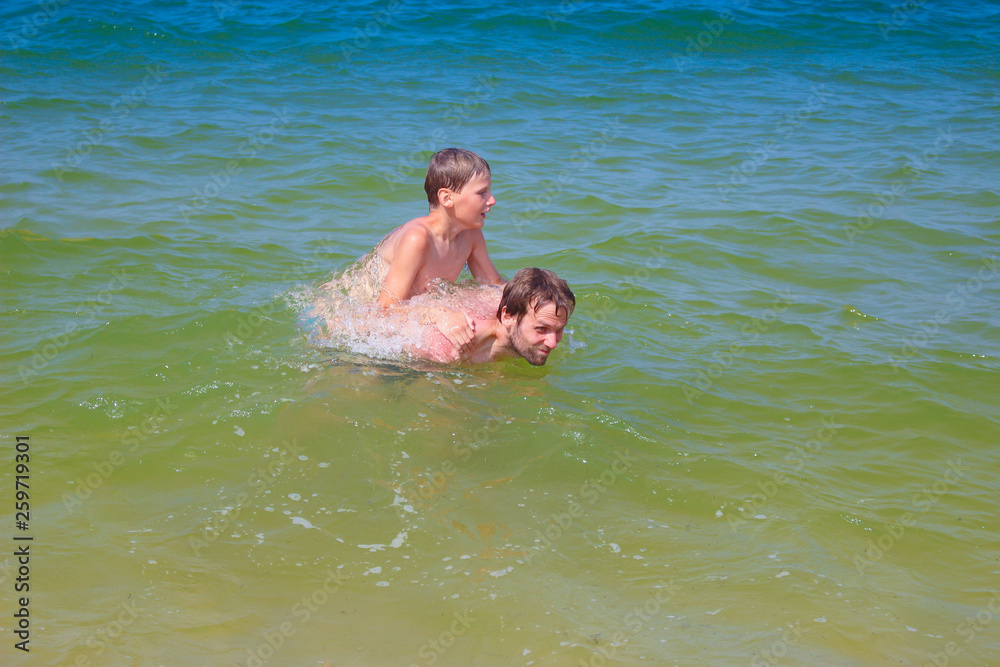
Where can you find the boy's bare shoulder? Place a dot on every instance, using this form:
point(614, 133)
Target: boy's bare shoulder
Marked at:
point(414, 234)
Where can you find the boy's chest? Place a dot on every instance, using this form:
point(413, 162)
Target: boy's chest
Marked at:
point(446, 260)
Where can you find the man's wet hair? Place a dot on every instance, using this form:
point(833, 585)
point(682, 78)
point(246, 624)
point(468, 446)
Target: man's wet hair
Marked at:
point(452, 168)
point(535, 288)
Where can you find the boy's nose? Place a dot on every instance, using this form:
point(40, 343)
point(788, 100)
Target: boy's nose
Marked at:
point(492, 202)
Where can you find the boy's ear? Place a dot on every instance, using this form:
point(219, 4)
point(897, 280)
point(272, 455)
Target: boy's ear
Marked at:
point(444, 197)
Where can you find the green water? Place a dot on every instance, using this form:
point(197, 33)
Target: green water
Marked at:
point(768, 437)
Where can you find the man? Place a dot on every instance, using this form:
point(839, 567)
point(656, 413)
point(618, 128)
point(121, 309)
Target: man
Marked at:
point(529, 322)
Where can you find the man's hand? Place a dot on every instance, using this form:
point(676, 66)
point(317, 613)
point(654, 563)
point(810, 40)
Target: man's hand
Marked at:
point(458, 328)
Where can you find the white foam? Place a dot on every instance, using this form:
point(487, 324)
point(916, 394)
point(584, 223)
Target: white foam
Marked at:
point(400, 500)
point(397, 542)
point(343, 313)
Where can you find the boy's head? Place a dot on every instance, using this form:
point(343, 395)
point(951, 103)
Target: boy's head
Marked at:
point(452, 168)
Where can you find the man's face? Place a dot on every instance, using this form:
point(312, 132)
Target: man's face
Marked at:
point(538, 333)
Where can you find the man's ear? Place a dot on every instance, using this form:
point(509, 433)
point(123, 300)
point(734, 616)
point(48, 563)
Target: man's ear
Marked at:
point(505, 317)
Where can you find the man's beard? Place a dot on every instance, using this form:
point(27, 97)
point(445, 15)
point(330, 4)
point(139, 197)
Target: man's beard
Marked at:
point(521, 345)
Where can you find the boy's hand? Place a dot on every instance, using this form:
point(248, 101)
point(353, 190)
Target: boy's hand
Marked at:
point(458, 328)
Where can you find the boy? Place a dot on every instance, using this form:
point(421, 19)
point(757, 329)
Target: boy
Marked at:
point(440, 244)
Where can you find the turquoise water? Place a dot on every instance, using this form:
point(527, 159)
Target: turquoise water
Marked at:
point(769, 438)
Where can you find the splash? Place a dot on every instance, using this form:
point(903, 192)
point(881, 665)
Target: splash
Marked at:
point(359, 284)
point(344, 314)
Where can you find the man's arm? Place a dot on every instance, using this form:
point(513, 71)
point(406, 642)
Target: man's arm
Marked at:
point(437, 349)
point(480, 265)
point(407, 258)
point(448, 332)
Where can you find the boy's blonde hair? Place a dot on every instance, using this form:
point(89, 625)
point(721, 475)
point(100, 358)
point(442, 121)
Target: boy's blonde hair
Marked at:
point(452, 168)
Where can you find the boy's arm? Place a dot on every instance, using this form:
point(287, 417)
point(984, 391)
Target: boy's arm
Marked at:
point(480, 265)
point(407, 258)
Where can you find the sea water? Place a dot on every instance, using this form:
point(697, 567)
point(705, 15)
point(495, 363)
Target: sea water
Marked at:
point(772, 439)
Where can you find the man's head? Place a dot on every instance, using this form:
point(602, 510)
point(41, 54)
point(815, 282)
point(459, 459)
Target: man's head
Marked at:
point(533, 310)
point(452, 169)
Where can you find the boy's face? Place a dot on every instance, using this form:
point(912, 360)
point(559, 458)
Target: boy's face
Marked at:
point(471, 204)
